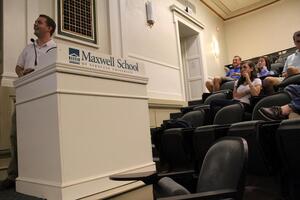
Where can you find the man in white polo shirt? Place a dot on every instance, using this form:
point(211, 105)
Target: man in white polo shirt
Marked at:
point(28, 61)
point(291, 67)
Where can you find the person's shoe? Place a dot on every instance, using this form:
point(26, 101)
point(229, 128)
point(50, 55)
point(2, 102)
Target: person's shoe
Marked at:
point(272, 113)
point(7, 184)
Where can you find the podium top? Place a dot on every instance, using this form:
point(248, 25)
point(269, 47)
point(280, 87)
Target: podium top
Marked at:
point(68, 59)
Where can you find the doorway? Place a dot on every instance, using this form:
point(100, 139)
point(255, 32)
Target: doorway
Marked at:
point(191, 56)
point(1, 38)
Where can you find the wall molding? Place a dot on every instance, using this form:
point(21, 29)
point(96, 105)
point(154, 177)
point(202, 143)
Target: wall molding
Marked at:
point(175, 8)
point(151, 60)
point(7, 79)
point(165, 95)
point(165, 103)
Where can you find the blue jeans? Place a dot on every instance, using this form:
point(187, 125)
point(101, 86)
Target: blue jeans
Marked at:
point(294, 92)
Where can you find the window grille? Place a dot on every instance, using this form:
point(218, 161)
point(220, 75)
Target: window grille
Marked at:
point(76, 19)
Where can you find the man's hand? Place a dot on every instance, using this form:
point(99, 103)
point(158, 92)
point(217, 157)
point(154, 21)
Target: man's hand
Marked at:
point(226, 69)
point(27, 71)
point(236, 74)
point(19, 70)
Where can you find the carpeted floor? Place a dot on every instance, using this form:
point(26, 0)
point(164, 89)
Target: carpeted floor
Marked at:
point(11, 194)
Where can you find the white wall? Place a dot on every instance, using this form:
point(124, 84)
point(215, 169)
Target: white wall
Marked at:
point(263, 31)
point(122, 31)
point(214, 30)
point(157, 46)
point(14, 39)
point(18, 20)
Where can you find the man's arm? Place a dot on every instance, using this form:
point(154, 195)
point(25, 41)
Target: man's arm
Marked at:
point(291, 70)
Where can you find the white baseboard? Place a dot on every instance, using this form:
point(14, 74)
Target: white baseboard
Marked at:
point(101, 187)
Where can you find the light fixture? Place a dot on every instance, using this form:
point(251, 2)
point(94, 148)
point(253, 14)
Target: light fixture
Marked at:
point(149, 13)
point(215, 47)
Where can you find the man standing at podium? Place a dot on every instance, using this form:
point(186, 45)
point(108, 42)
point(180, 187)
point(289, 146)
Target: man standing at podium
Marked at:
point(27, 62)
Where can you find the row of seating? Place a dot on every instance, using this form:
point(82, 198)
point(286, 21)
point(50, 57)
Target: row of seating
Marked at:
point(279, 98)
point(272, 168)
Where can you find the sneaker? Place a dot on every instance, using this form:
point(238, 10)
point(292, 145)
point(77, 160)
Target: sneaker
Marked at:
point(272, 113)
point(7, 184)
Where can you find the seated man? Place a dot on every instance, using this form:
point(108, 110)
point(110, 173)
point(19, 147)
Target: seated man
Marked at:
point(291, 110)
point(233, 73)
point(291, 67)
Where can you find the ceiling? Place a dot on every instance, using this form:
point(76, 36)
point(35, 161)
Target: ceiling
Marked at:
point(228, 9)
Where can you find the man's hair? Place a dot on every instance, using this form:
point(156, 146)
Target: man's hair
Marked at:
point(296, 34)
point(238, 57)
point(50, 22)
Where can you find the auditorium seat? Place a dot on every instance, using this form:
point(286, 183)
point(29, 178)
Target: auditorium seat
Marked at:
point(278, 99)
point(177, 150)
point(263, 179)
point(258, 163)
point(224, 94)
point(221, 177)
point(229, 85)
point(288, 135)
point(162, 145)
point(276, 68)
point(230, 114)
point(195, 118)
point(293, 79)
point(204, 137)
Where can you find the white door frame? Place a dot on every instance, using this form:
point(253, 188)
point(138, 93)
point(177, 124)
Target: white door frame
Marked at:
point(179, 15)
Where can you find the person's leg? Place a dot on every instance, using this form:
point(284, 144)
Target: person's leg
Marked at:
point(269, 83)
point(12, 170)
point(286, 109)
point(293, 90)
point(292, 71)
point(276, 112)
point(295, 105)
point(217, 83)
point(294, 115)
point(210, 86)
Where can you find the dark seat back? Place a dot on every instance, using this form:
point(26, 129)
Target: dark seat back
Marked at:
point(229, 85)
point(177, 149)
point(278, 99)
point(288, 135)
point(218, 95)
point(230, 114)
point(224, 166)
point(195, 118)
point(258, 163)
point(277, 68)
point(204, 137)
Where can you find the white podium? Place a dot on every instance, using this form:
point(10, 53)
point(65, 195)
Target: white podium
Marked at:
point(77, 125)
